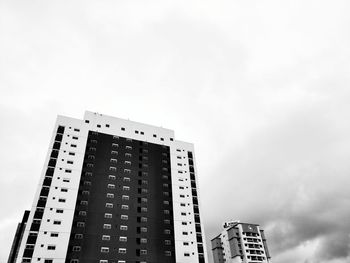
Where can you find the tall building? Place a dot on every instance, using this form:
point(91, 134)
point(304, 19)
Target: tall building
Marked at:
point(115, 191)
point(240, 243)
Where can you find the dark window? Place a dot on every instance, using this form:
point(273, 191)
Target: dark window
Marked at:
point(87, 121)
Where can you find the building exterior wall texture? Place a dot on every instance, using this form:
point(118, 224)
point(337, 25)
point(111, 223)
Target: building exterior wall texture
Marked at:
point(113, 190)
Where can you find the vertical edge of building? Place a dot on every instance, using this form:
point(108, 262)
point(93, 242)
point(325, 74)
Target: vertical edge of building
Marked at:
point(18, 238)
point(50, 220)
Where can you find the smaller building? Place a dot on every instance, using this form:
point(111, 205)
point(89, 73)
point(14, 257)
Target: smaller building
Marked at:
point(240, 243)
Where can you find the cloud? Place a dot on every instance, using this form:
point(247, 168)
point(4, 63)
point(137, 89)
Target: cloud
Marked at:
point(261, 88)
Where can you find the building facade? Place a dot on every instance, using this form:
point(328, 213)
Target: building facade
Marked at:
point(115, 191)
point(240, 243)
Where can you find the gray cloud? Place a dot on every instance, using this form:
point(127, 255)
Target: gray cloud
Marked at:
point(261, 88)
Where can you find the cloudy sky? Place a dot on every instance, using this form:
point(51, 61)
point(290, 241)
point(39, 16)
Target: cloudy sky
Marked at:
point(261, 87)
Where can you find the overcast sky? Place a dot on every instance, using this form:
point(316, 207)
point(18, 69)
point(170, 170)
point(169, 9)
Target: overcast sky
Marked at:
point(262, 88)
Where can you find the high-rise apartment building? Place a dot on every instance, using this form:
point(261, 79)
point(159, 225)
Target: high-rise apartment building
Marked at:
point(114, 191)
point(240, 243)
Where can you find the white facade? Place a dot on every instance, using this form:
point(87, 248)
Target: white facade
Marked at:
point(56, 226)
point(240, 243)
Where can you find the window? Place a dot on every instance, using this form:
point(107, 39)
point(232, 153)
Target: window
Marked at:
point(109, 205)
point(73, 145)
point(125, 207)
point(143, 229)
point(184, 223)
point(128, 154)
point(106, 237)
point(127, 171)
point(185, 233)
point(113, 160)
point(112, 177)
point(183, 213)
point(167, 231)
point(114, 152)
point(143, 219)
point(168, 253)
point(143, 240)
point(70, 162)
point(126, 188)
point(68, 171)
point(185, 243)
point(107, 226)
point(87, 183)
point(57, 222)
point(75, 138)
point(61, 200)
point(113, 169)
point(88, 173)
point(122, 250)
point(74, 261)
point(143, 209)
point(122, 128)
point(107, 215)
point(166, 202)
point(186, 254)
point(123, 239)
point(64, 190)
point(145, 191)
point(111, 186)
point(124, 217)
point(143, 252)
point(54, 234)
point(84, 202)
point(124, 228)
point(127, 162)
point(128, 147)
point(71, 153)
point(144, 200)
point(109, 195)
point(125, 197)
point(80, 224)
point(78, 236)
point(167, 242)
point(103, 261)
point(166, 212)
point(45, 261)
point(126, 179)
point(182, 204)
point(59, 211)
point(76, 248)
point(104, 249)
point(51, 247)
point(167, 221)
point(77, 130)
